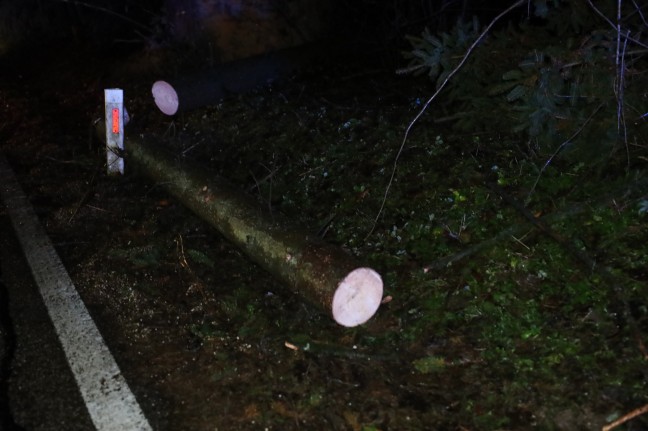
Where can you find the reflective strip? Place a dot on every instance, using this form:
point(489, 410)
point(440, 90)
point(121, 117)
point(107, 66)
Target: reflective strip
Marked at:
point(110, 402)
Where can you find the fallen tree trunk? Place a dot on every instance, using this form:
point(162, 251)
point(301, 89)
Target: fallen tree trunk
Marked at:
point(325, 275)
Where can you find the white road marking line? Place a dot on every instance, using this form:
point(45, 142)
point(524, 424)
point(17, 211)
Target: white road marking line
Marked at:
point(110, 402)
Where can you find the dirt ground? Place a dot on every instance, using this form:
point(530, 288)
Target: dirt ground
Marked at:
point(201, 332)
point(198, 329)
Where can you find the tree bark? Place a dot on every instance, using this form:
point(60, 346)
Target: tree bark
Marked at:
point(323, 274)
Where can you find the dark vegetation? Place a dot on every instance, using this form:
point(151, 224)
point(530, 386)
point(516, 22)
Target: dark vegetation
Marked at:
point(513, 240)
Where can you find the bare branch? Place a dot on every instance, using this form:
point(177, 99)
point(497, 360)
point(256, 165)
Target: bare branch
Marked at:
point(436, 93)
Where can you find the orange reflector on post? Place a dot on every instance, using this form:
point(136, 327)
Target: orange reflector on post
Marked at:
point(115, 121)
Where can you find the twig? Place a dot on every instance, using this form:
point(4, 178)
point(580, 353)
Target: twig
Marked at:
point(257, 184)
point(587, 261)
point(602, 15)
point(450, 75)
point(519, 241)
point(620, 78)
point(640, 13)
point(625, 418)
point(84, 199)
point(621, 102)
point(511, 231)
point(559, 149)
point(615, 282)
point(326, 349)
point(196, 284)
point(108, 12)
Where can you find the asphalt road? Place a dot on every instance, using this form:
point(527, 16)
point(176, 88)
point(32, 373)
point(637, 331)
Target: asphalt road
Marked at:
point(37, 388)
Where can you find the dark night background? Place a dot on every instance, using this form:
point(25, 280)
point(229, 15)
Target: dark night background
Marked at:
point(130, 25)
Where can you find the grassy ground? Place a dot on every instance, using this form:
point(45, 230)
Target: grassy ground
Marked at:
point(518, 293)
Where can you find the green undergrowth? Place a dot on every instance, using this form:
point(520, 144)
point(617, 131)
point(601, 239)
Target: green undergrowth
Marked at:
point(517, 282)
point(547, 340)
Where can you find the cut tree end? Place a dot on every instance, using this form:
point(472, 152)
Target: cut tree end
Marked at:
point(166, 98)
point(357, 297)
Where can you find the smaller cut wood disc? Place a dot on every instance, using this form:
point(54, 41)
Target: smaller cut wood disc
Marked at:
point(357, 297)
point(166, 98)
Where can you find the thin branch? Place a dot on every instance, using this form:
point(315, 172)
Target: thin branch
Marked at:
point(436, 93)
point(626, 191)
point(620, 66)
point(599, 13)
point(618, 32)
point(620, 73)
point(620, 100)
point(633, 414)
point(559, 149)
point(640, 13)
point(108, 12)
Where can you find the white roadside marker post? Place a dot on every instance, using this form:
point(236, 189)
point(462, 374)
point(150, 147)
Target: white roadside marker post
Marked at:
point(114, 103)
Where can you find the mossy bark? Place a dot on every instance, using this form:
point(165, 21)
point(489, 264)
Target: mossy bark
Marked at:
point(310, 267)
